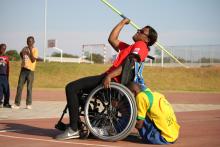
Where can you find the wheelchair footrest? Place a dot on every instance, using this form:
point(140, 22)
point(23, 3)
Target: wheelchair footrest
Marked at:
point(61, 126)
point(83, 129)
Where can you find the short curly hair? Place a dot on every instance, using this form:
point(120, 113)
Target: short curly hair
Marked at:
point(30, 37)
point(1, 45)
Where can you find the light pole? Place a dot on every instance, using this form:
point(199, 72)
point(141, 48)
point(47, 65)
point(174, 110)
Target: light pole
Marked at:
point(45, 29)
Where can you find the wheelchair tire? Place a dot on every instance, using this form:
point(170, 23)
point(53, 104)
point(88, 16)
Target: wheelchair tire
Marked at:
point(110, 114)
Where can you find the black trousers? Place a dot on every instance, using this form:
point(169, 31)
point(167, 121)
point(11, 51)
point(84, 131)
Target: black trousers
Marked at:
point(26, 75)
point(4, 89)
point(72, 91)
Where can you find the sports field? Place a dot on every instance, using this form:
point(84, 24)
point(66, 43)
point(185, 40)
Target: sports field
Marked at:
point(194, 94)
point(197, 113)
point(55, 30)
point(57, 75)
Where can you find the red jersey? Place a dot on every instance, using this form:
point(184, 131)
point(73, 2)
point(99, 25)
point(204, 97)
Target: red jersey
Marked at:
point(4, 65)
point(139, 48)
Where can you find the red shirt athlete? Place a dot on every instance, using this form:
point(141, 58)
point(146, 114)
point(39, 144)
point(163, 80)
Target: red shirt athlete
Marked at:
point(144, 38)
point(139, 48)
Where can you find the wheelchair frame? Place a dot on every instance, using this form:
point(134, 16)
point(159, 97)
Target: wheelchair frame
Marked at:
point(103, 117)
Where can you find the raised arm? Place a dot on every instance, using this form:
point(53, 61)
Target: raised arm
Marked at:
point(31, 55)
point(113, 37)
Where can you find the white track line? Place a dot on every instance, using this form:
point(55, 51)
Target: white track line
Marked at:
point(2, 131)
point(200, 120)
point(55, 141)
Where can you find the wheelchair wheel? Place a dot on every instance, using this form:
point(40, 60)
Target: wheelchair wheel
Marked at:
point(110, 114)
point(83, 130)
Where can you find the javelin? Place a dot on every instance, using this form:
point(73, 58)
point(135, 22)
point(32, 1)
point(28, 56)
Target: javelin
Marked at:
point(137, 27)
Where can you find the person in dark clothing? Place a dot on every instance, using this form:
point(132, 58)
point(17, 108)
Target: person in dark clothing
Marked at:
point(142, 39)
point(4, 78)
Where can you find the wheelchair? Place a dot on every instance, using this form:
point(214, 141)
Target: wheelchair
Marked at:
point(108, 114)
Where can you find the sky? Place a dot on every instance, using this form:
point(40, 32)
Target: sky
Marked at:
point(76, 22)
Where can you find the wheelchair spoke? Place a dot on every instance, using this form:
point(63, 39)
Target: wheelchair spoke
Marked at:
point(110, 113)
point(120, 123)
point(97, 121)
point(112, 130)
point(117, 125)
point(102, 96)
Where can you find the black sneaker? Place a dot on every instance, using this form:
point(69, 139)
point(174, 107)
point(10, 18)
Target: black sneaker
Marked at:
point(68, 134)
point(7, 106)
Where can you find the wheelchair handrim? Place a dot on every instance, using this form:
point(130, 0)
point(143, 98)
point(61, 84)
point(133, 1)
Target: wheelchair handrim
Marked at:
point(132, 117)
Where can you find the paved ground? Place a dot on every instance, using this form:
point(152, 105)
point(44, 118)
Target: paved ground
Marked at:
point(197, 113)
point(53, 109)
point(173, 97)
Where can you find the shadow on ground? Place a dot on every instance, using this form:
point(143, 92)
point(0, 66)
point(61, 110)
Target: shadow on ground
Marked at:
point(25, 129)
point(30, 130)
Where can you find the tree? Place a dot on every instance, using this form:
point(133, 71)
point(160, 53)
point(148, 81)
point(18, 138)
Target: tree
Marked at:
point(56, 54)
point(13, 55)
point(97, 58)
point(157, 52)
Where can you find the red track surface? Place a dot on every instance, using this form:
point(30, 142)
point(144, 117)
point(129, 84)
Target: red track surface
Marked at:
point(173, 97)
point(200, 128)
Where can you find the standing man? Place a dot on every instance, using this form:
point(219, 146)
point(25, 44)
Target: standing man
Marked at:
point(4, 78)
point(29, 55)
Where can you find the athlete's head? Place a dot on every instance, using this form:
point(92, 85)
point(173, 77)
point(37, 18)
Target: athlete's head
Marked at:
point(135, 88)
point(2, 48)
point(30, 41)
point(146, 34)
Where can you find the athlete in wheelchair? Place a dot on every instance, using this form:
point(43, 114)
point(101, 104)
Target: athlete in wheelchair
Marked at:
point(109, 110)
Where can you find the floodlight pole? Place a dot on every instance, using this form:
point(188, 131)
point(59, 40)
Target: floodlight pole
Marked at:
point(162, 58)
point(104, 54)
point(45, 29)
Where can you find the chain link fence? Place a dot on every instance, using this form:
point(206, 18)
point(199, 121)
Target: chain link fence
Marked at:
point(192, 56)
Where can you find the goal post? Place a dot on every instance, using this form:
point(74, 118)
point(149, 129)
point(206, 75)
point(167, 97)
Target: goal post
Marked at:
point(95, 53)
point(52, 44)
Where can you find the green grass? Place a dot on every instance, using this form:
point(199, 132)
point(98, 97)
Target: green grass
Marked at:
point(182, 79)
point(57, 75)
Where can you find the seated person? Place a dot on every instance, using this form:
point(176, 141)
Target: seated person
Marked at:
point(156, 121)
point(144, 38)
